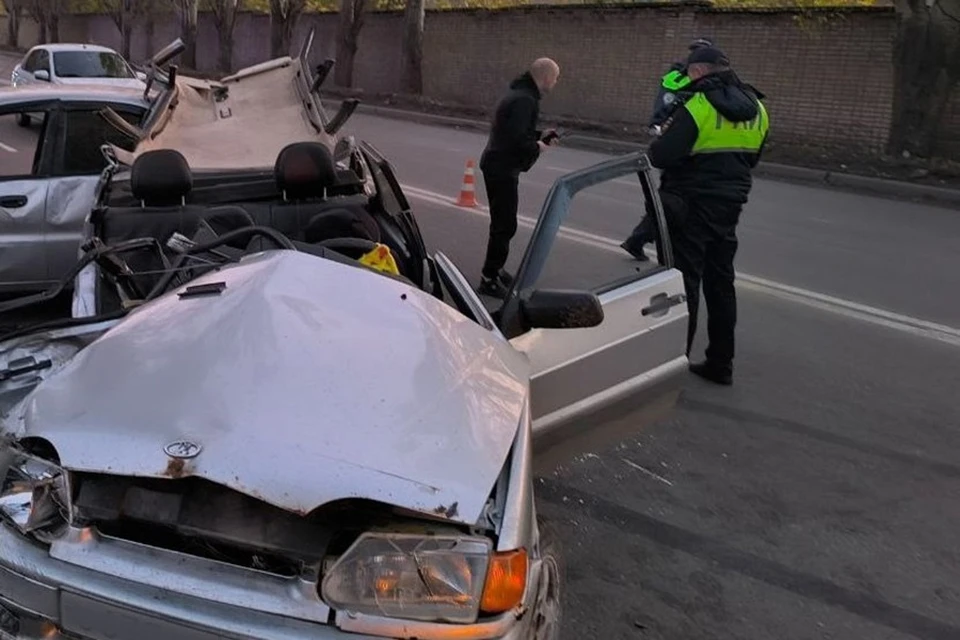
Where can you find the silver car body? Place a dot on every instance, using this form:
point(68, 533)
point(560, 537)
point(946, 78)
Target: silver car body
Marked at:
point(306, 383)
point(446, 382)
point(42, 213)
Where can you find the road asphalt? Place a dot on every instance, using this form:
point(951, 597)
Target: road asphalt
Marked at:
point(814, 499)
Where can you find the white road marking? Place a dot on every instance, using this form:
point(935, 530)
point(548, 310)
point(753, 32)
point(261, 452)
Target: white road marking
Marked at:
point(813, 299)
point(7, 147)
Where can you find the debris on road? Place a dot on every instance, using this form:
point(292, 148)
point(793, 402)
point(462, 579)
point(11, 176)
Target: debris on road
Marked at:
point(647, 472)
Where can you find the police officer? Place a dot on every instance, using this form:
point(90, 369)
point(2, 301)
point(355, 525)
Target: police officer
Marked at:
point(707, 152)
point(513, 147)
point(671, 88)
point(669, 95)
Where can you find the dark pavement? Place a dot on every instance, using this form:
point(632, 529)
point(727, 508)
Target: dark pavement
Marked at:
point(814, 499)
point(817, 498)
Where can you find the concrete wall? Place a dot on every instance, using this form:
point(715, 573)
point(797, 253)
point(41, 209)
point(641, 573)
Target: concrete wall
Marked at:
point(828, 78)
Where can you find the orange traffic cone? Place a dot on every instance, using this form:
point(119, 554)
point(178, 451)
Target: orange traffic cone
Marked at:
point(468, 196)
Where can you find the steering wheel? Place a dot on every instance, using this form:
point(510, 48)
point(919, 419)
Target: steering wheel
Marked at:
point(354, 248)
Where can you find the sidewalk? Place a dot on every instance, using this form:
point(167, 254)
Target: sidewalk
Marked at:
point(874, 186)
point(8, 60)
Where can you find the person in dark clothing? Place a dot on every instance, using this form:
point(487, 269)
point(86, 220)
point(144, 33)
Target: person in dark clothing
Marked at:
point(513, 147)
point(671, 94)
point(672, 86)
point(707, 154)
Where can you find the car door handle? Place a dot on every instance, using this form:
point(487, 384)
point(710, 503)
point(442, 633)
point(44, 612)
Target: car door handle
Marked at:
point(13, 202)
point(661, 302)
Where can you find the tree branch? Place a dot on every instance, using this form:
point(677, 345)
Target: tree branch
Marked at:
point(939, 5)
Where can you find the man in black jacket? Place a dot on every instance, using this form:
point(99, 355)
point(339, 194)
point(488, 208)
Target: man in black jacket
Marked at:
point(513, 147)
point(707, 152)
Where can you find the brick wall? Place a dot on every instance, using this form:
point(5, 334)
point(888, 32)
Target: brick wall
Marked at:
point(828, 78)
point(611, 60)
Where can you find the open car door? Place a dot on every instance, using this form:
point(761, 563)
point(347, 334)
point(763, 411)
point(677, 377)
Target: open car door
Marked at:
point(593, 387)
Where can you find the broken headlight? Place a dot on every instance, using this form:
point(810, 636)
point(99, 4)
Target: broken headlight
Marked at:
point(33, 494)
point(438, 578)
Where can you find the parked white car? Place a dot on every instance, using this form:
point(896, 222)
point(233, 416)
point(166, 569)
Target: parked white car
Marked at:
point(71, 63)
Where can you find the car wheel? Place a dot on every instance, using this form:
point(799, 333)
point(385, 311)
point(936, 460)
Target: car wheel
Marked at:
point(23, 119)
point(548, 615)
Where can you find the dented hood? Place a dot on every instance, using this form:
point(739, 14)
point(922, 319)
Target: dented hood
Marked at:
point(304, 381)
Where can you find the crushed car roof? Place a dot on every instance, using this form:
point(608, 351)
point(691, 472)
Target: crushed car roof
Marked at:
point(241, 122)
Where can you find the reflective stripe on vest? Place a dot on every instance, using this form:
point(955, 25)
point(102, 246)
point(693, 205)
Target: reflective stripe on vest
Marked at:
point(719, 135)
point(674, 81)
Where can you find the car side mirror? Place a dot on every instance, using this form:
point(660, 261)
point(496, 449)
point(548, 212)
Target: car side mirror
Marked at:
point(561, 309)
point(141, 76)
point(42, 75)
point(347, 107)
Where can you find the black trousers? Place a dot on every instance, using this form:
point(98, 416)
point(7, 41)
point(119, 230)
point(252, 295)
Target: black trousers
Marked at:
point(704, 238)
point(503, 198)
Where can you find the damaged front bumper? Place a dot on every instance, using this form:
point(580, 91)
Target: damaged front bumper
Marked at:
point(153, 594)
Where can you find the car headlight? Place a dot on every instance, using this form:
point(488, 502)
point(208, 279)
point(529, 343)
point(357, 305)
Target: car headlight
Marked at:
point(410, 576)
point(33, 493)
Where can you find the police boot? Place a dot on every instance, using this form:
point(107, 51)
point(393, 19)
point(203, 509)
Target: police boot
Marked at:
point(713, 373)
point(634, 249)
point(492, 287)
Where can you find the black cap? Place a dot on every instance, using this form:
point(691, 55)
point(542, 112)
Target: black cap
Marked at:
point(701, 42)
point(708, 55)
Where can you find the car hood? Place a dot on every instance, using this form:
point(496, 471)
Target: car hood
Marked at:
point(123, 83)
point(304, 381)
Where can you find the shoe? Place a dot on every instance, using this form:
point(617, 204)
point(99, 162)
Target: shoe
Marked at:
point(492, 287)
point(708, 372)
point(505, 278)
point(637, 254)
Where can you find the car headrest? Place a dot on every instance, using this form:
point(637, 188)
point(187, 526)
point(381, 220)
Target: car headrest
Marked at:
point(161, 177)
point(305, 170)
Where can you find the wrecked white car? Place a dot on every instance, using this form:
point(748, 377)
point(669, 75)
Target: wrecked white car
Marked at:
point(275, 415)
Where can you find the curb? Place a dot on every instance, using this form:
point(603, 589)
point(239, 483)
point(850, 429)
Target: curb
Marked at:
point(782, 172)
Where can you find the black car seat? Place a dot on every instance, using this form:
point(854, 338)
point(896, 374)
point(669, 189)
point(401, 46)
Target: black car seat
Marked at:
point(306, 176)
point(161, 180)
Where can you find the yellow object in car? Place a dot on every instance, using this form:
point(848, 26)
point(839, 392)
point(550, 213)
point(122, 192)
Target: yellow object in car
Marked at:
point(381, 259)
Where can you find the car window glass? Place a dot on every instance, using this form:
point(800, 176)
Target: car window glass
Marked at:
point(86, 132)
point(21, 136)
point(31, 62)
point(90, 64)
point(586, 252)
point(43, 61)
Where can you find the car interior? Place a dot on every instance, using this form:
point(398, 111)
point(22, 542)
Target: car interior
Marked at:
point(322, 209)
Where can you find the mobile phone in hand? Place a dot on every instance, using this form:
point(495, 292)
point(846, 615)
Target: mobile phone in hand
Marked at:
point(550, 136)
